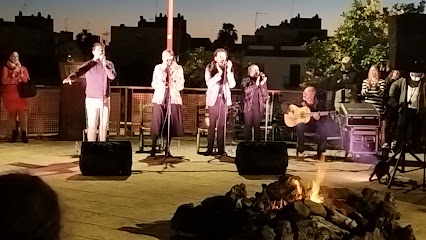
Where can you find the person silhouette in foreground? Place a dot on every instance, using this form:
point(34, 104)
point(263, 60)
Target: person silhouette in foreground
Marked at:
point(29, 209)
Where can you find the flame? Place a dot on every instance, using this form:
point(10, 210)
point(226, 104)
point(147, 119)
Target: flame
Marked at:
point(314, 194)
point(278, 204)
point(299, 191)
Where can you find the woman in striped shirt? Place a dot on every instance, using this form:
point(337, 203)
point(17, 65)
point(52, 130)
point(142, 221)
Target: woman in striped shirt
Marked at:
point(373, 89)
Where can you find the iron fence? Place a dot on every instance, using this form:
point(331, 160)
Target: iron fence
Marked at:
point(128, 104)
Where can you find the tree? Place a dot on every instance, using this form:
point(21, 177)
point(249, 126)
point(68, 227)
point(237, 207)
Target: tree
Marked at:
point(362, 36)
point(401, 8)
point(226, 37)
point(195, 63)
point(85, 41)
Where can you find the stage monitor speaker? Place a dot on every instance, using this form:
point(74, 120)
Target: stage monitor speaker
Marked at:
point(106, 158)
point(262, 158)
point(407, 42)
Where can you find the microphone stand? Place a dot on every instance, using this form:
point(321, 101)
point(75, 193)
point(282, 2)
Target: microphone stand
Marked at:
point(225, 80)
point(168, 117)
point(101, 119)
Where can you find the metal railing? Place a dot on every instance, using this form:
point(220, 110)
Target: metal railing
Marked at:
point(126, 102)
point(43, 113)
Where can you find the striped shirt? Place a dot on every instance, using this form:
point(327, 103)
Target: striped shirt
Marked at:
point(374, 96)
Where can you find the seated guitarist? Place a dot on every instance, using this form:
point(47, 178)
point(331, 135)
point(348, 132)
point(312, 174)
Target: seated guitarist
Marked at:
point(317, 124)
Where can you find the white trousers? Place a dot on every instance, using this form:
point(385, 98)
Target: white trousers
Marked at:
point(97, 116)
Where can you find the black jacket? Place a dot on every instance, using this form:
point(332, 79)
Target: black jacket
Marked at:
point(248, 87)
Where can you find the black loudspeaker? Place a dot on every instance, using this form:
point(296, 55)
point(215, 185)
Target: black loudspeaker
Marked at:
point(262, 158)
point(106, 158)
point(407, 38)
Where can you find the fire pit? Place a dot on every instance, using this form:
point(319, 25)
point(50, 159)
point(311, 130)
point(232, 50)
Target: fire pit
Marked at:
point(287, 210)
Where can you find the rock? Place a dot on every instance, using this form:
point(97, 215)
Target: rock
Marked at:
point(186, 219)
point(267, 233)
point(369, 205)
point(284, 188)
point(284, 230)
point(316, 208)
point(368, 192)
point(375, 235)
point(366, 216)
point(337, 193)
point(342, 220)
point(247, 202)
point(406, 233)
point(239, 203)
point(301, 209)
point(389, 209)
point(318, 228)
point(237, 191)
point(343, 207)
point(262, 201)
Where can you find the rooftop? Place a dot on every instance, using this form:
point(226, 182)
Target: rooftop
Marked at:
point(141, 206)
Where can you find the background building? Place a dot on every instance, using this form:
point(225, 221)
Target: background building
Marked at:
point(136, 50)
point(32, 37)
point(279, 50)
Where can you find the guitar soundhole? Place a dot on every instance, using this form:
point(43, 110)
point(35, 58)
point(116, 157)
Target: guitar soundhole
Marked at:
point(302, 115)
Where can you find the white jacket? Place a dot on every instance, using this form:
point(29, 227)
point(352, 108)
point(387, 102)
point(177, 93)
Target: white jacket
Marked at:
point(159, 83)
point(213, 87)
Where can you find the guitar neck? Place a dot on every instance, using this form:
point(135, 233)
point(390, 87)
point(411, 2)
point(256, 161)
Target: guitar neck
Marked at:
point(321, 113)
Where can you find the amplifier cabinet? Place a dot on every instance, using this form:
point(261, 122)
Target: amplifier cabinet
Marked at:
point(360, 114)
point(361, 140)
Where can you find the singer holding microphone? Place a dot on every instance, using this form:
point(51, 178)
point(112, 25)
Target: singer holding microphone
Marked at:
point(97, 72)
point(16, 106)
point(219, 76)
point(255, 97)
point(167, 82)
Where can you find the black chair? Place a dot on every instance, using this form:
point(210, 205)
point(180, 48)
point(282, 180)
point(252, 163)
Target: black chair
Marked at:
point(145, 130)
point(202, 118)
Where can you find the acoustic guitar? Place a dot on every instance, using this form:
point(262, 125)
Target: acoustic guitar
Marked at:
point(297, 115)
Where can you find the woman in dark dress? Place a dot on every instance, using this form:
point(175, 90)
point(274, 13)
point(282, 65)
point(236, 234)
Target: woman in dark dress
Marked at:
point(255, 98)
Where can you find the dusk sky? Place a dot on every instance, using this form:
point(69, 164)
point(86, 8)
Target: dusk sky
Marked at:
point(204, 18)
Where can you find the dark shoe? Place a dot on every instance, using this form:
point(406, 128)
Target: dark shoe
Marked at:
point(222, 154)
point(152, 153)
point(207, 153)
point(15, 134)
point(318, 156)
point(300, 149)
point(24, 137)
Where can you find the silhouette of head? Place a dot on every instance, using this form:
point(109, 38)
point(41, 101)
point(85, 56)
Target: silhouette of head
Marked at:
point(29, 208)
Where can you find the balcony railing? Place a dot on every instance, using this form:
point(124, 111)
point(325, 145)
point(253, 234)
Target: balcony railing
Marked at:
point(127, 104)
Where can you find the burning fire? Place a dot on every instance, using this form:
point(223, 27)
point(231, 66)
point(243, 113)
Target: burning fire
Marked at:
point(299, 191)
point(278, 204)
point(314, 195)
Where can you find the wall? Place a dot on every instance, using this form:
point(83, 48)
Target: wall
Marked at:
point(278, 69)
